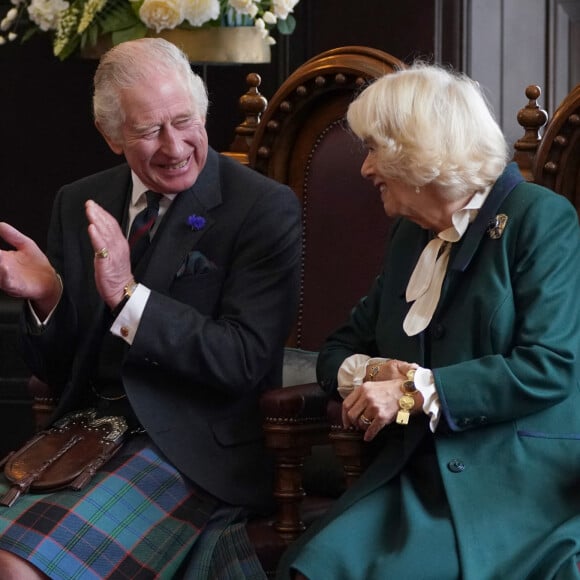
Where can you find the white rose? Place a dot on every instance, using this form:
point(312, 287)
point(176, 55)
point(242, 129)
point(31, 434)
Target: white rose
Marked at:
point(46, 13)
point(281, 8)
point(269, 18)
point(244, 7)
point(161, 14)
point(259, 24)
point(198, 12)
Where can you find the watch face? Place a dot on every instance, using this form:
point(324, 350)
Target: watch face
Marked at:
point(406, 402)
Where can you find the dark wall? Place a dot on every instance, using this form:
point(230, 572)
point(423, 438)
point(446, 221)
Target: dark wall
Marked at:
point(48, 137)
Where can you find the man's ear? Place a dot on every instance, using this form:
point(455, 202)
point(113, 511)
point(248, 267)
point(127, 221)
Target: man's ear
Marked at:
point(113, 145)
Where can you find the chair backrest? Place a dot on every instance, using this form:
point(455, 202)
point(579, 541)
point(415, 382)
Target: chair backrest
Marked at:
point(551, 157)
point(302, 140)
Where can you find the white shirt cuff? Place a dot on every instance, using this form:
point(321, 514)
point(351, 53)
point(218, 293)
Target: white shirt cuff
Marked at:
point(425, 384)
point(126, 324)
point(38, 322)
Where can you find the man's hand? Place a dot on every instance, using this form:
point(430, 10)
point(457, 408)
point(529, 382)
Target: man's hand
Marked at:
point(113, 272)
point(25, 272)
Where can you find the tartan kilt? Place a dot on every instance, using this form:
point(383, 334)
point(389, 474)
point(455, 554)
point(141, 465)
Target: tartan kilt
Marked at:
point(138, 518)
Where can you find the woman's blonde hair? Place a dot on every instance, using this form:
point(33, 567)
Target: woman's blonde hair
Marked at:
point(430, 125)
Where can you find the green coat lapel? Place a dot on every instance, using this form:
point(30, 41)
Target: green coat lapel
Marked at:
point(502, 188)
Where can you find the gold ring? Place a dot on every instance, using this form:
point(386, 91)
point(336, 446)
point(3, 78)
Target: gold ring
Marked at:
point(365, 420)
point(102, 253)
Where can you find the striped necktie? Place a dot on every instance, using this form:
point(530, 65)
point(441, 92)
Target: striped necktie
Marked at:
point(139, 238)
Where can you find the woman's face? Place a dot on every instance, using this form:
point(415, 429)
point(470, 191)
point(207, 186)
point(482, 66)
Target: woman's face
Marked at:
point(399, 199)
point(424, 206)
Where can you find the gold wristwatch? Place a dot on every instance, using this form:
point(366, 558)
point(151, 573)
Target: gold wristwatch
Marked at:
point(407, 401)
point(127, 293)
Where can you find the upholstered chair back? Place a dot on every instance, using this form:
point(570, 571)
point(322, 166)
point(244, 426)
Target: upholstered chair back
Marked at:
point(303, 140)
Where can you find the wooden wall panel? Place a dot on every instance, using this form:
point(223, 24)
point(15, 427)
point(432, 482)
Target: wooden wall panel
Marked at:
point(506, 52)
point(563, 49)
point(516, 43)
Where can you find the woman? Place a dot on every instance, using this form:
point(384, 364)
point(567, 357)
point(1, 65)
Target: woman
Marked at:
point(476, 412)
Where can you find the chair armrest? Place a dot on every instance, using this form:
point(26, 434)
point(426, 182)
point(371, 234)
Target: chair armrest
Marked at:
point(294, 421)
point(348, 443)
point(295, 403)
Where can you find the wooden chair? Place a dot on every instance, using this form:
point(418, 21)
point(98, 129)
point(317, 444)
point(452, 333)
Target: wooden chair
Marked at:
point(300, 138)
point(549, 151)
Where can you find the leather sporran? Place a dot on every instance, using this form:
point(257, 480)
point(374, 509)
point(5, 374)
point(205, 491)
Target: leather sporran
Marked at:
point(68, 454)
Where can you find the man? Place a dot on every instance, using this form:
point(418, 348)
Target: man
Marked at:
point(181, 343)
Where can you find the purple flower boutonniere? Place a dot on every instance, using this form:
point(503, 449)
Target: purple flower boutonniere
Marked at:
point(196, 222)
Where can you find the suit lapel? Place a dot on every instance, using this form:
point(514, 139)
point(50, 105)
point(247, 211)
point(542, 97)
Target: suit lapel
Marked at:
point(175, 238)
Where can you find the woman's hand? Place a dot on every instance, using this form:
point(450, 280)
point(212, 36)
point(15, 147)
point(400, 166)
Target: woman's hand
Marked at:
point(375, 403)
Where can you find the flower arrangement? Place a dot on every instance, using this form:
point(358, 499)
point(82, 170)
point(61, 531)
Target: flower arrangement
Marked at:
point(196, 222)
point(78, 24)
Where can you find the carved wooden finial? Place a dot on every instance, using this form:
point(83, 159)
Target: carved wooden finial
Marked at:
point(252, 104)
point(532, 119)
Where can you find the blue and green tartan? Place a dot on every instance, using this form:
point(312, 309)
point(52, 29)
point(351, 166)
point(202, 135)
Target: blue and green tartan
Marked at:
point(138, 519)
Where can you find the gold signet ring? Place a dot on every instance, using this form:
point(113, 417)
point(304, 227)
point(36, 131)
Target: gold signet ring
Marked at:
point(102, 253)
point(365, 420)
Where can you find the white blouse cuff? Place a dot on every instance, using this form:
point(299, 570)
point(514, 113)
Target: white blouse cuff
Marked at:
point(352, 372)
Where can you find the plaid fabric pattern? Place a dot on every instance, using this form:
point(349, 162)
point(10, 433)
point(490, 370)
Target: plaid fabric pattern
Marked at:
point(224, 550)
point(138, 519)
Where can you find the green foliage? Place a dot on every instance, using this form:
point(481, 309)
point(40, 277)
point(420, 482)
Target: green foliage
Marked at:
point(117, 15)
point(287, 26)
point(138, 30)
point(77, 25)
